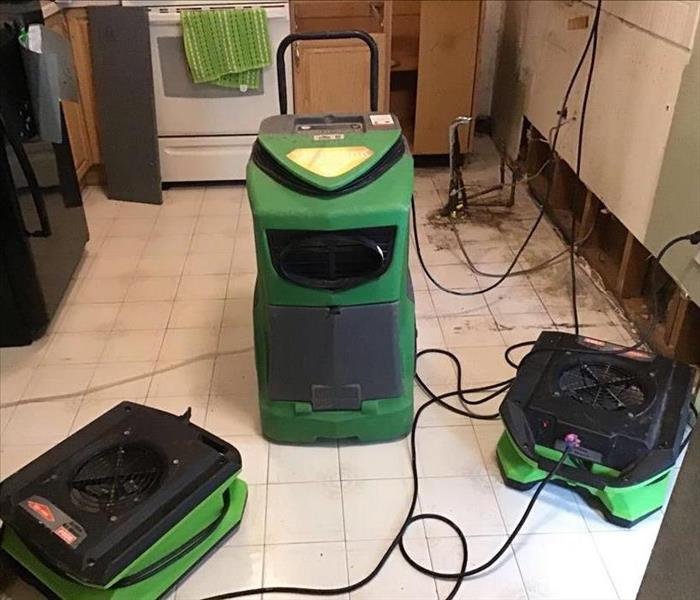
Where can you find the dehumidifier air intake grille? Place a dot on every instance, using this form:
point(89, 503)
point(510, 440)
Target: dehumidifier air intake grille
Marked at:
point(331, 260)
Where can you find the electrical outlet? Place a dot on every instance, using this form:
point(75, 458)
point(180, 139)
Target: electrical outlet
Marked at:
point(697, 257)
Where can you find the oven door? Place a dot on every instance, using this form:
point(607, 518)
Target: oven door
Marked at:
point(185, 108)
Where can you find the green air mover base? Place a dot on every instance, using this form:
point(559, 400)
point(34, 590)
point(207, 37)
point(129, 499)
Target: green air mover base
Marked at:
point(622, 506)
point(31, 568)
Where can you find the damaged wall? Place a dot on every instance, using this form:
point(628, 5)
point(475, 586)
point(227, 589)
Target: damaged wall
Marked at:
point(643, 50)
point(676, 209)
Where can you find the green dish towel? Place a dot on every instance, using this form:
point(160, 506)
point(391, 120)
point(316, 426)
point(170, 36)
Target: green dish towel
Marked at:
point(228, 48)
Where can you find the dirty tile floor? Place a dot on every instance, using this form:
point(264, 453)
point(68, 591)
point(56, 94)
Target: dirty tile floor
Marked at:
point(161, 285)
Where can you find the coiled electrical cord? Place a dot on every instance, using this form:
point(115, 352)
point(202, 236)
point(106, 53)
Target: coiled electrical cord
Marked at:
point(459, 576)
point(462, 574)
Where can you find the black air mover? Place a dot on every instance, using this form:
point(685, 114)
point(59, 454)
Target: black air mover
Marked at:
point(628, 410)
point(122, 509)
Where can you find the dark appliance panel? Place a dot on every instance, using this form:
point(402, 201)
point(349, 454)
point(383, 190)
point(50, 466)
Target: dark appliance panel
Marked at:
point(43, 228)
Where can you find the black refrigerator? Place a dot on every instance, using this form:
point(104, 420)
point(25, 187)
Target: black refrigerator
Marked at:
point(43, 230)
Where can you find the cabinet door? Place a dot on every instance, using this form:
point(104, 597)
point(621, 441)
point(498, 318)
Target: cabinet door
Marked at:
point(447, 53)
point(333, 76)
point(78, 29)
point(73, 112)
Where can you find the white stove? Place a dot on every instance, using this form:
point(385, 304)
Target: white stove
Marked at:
point(206, 132)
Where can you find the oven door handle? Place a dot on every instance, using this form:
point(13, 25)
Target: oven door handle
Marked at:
point(30, 176)
point(169, 18)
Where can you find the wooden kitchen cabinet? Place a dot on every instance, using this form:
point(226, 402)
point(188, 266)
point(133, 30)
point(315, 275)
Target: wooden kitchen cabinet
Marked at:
point(73, 112)
point(447, 59)
point(434, 57)
point(334, 76)
point(77, 22)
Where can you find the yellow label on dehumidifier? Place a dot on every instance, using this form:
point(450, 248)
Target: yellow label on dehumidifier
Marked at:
point(330, 162)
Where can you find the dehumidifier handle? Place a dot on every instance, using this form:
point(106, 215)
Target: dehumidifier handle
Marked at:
point(330, 35)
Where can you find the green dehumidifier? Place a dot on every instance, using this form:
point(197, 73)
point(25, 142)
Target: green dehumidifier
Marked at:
point(123, 509)
point(334, 312)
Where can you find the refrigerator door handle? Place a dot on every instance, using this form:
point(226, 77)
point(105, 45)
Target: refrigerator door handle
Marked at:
point(30, 176)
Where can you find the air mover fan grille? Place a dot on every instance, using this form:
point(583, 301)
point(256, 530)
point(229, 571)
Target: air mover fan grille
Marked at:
point(628, 408)
point(602, 385)
point(333, 260)
point(115, 479)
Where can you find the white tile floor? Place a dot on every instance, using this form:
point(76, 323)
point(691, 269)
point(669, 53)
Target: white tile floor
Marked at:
point(160, 285)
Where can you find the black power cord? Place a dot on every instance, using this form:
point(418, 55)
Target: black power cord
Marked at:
point(579, 154)
point(176, 554)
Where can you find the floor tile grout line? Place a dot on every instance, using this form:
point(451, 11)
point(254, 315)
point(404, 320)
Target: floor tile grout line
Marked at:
point(75, 415)
point(265, 515)
point(432, 566)
point(520, 571)
point(172, 302)
point(267, 469)
point(342, 512)
point(84, 397)
point(419, 509)
point(122, 306)
point(20, 394)
point(325, 481)
point(218, 345)
point(507, 533)
point(233, 253)
point(604, 563)
point(174, 298)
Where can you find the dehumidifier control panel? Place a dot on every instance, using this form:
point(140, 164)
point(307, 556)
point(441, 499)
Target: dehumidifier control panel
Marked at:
point(332, 126)
point(329, 124)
